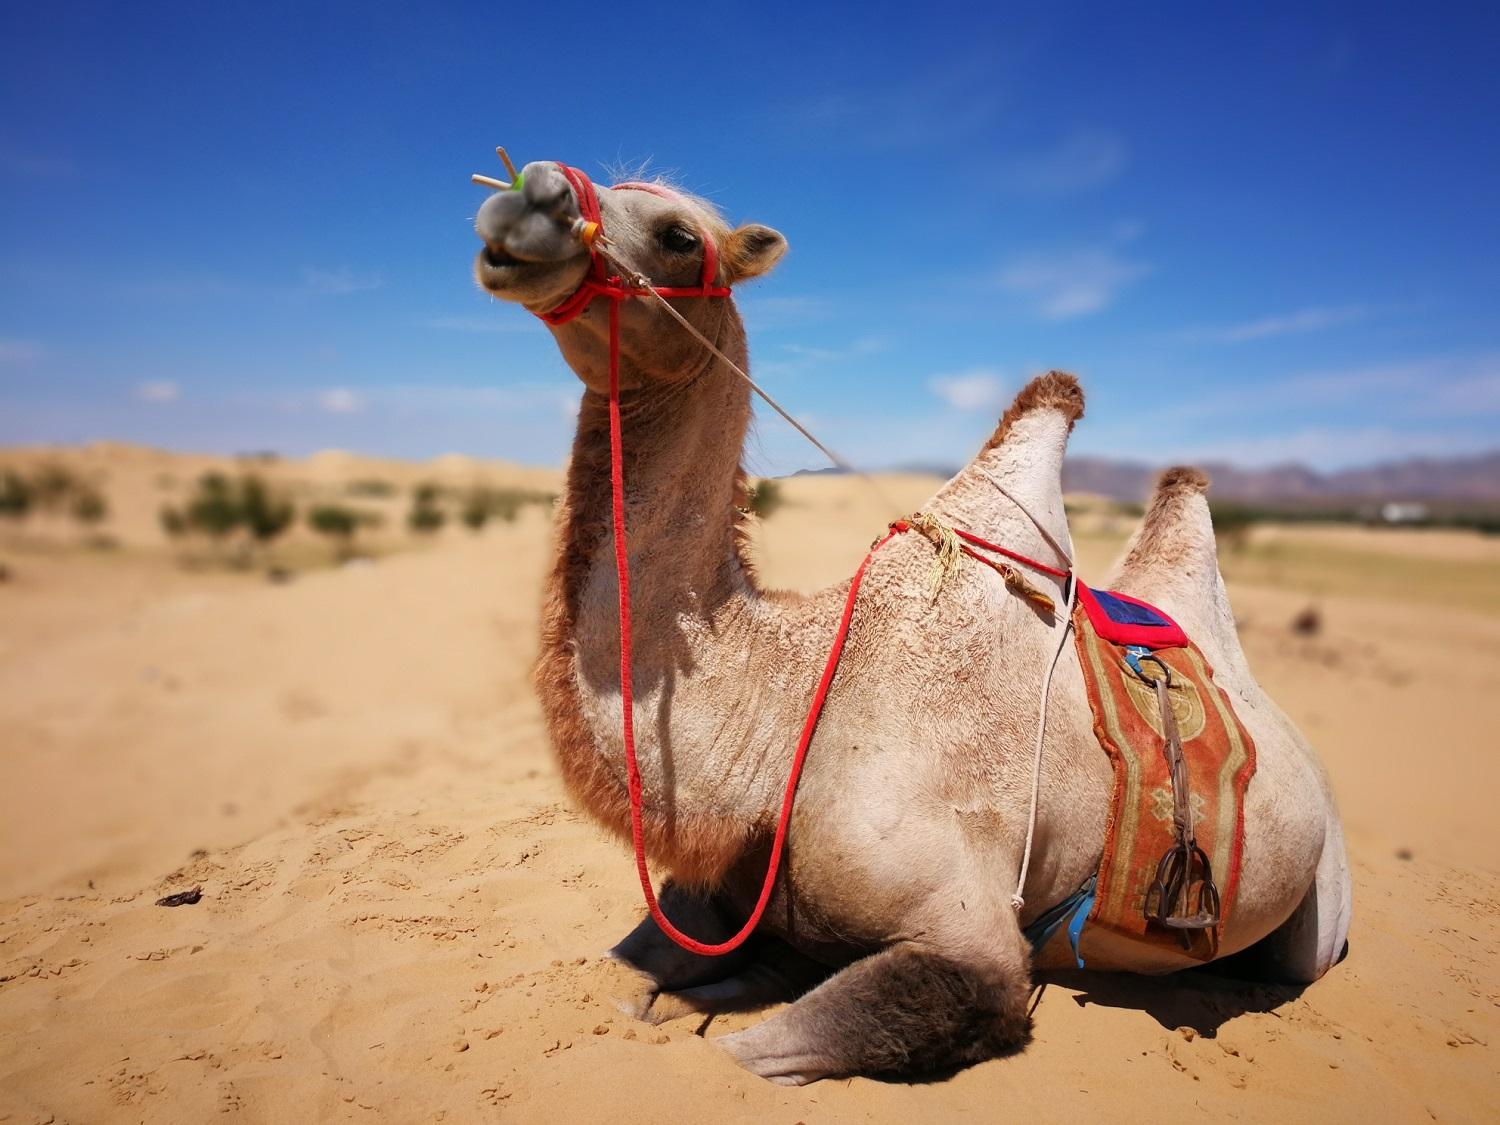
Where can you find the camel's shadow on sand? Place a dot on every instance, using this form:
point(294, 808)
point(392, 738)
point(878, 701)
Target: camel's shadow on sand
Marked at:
point(1202, 999)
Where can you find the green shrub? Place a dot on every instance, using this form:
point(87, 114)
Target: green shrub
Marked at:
point(89, 505)
point(762, 498)
point(426, 514)
point(264, 514)
point(16, 495)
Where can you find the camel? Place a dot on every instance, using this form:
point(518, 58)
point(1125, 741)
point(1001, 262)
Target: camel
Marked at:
point(893, 913)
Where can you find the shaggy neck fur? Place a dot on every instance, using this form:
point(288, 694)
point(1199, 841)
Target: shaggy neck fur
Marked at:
point(704, 728)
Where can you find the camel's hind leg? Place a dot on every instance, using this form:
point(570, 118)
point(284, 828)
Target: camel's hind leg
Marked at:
point(904, 1010)
point(1316, 937)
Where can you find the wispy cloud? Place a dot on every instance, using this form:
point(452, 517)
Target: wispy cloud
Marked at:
point(340, 400)
point(936, 106)
point(979, 388)
point(1088, 158)
point(867, 345)
point(1069, 283)
point(158, 391)
point(336, 283)
point(1303, 320)
point(14, 351)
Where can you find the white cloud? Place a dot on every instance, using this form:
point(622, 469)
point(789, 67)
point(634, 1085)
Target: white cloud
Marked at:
point(1304, 320)
point(1084, 160)
point(1070, 283)
point(158, 391)
point(336, 283)
point(340, 400)
point(18, 351)
point(977, 389)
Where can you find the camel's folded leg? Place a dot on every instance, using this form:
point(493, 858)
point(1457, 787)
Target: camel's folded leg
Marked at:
point(779, 973)
point(904, 1010)
point(701, 914)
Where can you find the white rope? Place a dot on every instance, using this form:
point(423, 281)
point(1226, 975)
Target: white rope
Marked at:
point(1018, 900)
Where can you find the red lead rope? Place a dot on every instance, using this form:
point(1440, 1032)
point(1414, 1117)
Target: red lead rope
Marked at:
point(595, 284)
point(632, 770)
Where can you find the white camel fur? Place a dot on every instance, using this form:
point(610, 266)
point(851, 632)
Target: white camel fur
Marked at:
point(912, 810)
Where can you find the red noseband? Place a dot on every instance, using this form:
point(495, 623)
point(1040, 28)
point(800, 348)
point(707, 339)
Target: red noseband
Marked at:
point(598, 282)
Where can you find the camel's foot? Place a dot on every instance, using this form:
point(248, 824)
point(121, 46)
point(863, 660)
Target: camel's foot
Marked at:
point(902, 1011)
point(647, 950)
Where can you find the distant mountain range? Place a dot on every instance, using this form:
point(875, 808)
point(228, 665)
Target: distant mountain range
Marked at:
point(1446, 480)
point(1471, 480)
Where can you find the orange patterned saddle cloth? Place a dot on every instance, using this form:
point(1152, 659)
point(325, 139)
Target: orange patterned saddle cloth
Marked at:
point(1115, 635)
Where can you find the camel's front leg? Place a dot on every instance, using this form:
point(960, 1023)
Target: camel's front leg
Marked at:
point(908, 1009)
point(670, 967)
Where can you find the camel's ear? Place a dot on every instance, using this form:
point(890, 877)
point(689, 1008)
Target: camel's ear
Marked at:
point(751, 251)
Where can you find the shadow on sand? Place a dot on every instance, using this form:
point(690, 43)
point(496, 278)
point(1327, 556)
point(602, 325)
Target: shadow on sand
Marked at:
point(1203, 999)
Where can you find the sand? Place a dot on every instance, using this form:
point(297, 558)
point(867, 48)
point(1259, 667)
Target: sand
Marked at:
point(402, 918)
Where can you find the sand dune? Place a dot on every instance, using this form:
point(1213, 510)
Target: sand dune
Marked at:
point(402, 917)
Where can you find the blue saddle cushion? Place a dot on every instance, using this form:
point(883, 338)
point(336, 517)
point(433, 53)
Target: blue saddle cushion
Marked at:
point(1129, 621)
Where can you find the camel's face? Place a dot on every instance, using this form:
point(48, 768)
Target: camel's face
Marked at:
point(531, 257)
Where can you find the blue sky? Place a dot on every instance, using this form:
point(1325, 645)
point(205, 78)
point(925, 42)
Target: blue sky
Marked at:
point(1258, 234)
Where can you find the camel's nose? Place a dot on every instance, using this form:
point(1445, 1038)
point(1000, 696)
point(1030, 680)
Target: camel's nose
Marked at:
point(533, 222)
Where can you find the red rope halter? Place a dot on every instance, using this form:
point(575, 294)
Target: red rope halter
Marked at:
point(597, 283)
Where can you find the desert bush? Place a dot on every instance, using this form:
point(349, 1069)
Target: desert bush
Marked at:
point(53, 487)
point(16, 496)
point(89, 506)
point(265, 514)
point(220, 507)
point(172, 521)
point(481, 503)
point(214, 509)
point(340, 524)
point(427, 514)
point(762, 498)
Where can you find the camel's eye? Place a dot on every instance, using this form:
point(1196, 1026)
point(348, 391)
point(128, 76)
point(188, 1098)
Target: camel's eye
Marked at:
point(677, 240)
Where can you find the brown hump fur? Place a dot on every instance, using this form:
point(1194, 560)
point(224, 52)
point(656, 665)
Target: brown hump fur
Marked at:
point(1056, 390)
point(1183, 478)
point(1167, 537)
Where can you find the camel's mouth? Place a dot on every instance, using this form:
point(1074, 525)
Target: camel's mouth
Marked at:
point(499, 258)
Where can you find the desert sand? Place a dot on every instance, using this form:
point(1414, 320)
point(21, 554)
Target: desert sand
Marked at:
point(402, 919)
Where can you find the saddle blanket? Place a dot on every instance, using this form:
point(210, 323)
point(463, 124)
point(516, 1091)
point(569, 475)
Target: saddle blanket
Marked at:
point(1113, 633)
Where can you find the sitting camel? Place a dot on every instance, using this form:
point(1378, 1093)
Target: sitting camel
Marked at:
point(912, 811)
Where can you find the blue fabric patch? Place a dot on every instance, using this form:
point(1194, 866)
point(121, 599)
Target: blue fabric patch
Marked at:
point(1074, 910)
point(1127, 613)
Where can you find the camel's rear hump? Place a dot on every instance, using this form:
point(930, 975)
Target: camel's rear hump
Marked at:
point(1172, 561)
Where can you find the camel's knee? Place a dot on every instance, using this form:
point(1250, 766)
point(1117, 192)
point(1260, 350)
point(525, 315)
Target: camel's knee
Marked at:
point(903, 1011)
point(650, 951)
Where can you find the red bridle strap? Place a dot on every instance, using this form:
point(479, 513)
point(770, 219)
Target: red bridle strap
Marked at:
point(598, 283)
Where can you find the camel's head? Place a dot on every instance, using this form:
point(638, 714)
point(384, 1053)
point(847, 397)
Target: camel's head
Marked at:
point(531, 256)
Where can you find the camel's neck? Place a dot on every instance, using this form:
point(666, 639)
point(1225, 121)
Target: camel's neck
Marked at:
point(699, 624)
